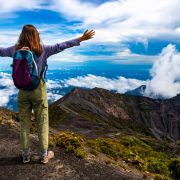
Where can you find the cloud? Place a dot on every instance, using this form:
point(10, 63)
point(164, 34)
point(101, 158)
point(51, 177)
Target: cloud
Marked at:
point(165, 74)
point(8, 88)
point(127, 57)
point(8, 37)
point(117, 21)
point(120, 84)
point(69, 56)
point(165, 81)
point(51, 84)
point(73, 8)
point(53, 97)
point(10, 6)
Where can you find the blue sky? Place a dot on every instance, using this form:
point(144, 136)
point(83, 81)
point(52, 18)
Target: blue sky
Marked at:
point(127, 31)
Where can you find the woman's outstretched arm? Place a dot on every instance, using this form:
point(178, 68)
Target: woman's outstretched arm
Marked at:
point(54, 49)
point(7, 52)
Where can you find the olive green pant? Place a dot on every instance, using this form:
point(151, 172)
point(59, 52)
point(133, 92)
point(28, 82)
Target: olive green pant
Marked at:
point(36, 100)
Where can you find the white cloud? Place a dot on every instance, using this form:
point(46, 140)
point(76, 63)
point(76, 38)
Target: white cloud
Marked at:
point(51, 84)
point(114, 22)
point(6, 79)
point(120, 84)
point(128, 20)
point(73, 8)
point(165, 80)
point(165, 73)
point(13, 6)
point(53, 96)
point(69, 56)
point(8, 37)
point(127, 57)
point(8, 90)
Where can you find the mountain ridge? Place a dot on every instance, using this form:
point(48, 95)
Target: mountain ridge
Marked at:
point(158, 117)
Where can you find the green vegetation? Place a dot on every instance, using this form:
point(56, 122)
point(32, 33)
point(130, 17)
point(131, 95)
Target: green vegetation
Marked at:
point(72, 142)
point(132, 150)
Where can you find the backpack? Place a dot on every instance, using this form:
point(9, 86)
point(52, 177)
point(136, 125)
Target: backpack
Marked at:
point(25, 71)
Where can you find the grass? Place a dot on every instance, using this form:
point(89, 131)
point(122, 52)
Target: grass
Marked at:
point(132, 150)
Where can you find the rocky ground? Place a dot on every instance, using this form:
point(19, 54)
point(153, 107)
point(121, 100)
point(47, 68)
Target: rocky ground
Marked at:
point(63, 166)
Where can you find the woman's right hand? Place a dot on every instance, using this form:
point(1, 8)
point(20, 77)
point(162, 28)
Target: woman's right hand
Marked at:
point(87, 35)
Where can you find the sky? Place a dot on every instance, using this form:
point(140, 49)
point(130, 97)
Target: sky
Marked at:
point(131, 32)
point(127, 31)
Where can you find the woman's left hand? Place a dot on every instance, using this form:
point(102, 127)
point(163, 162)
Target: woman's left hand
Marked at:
point(87, 35)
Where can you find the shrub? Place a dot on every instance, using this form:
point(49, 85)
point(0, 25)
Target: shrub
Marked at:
point(174, 167)
point(157, 166)
point(130, 149)
point(134, 152)
point(72, 142)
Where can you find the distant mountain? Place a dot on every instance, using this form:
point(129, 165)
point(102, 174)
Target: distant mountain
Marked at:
point(100, 111)
point(138, 91)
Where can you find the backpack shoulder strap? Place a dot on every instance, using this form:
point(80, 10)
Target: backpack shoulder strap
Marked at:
point(44, 70)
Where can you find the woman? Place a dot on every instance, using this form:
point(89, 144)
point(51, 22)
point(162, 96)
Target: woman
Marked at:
point(37, 99)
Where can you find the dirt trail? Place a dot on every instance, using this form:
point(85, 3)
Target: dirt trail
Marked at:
point(63, 166)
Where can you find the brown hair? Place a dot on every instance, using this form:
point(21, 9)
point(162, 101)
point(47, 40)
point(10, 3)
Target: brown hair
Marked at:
point(29, 37)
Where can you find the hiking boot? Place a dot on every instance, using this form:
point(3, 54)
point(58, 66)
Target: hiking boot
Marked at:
point(46, 156)
point(26, 157)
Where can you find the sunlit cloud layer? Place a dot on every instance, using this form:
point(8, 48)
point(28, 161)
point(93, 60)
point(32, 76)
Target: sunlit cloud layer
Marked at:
point(165, 81)
point(120, 84)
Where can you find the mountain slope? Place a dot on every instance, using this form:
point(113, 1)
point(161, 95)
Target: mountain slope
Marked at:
point(99, 111)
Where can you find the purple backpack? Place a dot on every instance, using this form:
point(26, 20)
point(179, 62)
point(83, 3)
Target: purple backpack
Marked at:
point(25, 71)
